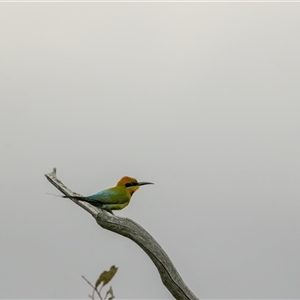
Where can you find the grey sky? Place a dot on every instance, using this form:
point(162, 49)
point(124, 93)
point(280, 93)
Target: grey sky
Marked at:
point(202, 99)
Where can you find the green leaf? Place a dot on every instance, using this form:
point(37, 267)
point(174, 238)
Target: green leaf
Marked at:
point(106, 276)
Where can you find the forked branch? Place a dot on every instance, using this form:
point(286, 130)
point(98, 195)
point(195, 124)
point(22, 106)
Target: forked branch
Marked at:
point(128, 228)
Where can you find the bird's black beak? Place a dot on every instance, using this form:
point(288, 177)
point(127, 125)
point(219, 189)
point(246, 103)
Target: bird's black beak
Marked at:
point(144, 183)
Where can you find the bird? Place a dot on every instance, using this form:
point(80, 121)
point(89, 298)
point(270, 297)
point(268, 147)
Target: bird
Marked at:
point(114, 198)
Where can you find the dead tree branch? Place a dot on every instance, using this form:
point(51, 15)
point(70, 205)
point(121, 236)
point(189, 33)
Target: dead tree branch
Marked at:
point(128, 228)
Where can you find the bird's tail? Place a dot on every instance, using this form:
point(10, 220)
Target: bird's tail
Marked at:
point(54, 195)
point(93, 202)
point(81, 198)
point(75, 197)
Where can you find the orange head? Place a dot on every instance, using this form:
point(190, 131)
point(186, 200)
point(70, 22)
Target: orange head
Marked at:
point(131, 184)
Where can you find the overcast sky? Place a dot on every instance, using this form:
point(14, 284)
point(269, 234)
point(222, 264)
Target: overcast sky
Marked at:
point(202, 99)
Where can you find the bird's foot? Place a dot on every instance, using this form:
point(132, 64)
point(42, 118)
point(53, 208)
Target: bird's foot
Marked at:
point(108, 210)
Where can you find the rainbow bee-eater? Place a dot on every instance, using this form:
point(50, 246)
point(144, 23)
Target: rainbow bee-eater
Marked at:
point(114, 198)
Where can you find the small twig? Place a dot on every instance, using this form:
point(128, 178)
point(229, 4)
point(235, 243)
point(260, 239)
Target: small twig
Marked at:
point(110, 291)
point(92, 287)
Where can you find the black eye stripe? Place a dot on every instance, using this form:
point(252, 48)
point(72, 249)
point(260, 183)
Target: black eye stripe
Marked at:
point(128, 184)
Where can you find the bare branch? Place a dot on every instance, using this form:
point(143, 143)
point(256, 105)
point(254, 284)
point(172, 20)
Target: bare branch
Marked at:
point(94, 289)
point(60, 186)
point(128, 228)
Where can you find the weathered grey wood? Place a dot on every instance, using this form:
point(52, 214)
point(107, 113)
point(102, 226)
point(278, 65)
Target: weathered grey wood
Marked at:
point(128, 228)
